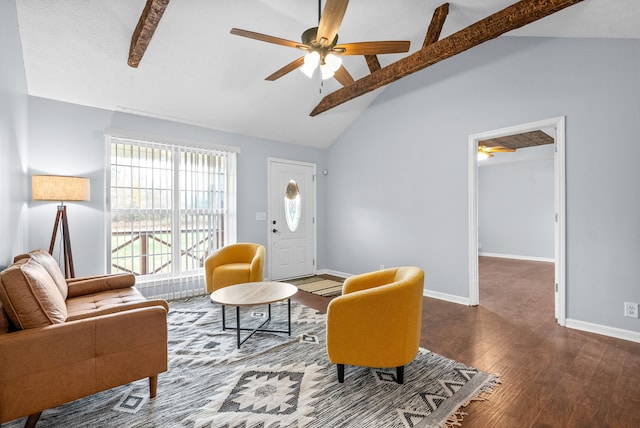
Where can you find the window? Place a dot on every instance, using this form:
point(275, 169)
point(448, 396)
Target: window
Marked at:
point(292, 205)
point(171, 206)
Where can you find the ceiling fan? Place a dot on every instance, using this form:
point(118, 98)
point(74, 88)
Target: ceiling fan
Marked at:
point(321, 45)
point(486, 152)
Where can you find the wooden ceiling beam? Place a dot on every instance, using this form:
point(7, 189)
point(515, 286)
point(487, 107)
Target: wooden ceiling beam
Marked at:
point(372, 62)
point(435, 27)
point(147, 24)
point(433, 34)
point(515, 16)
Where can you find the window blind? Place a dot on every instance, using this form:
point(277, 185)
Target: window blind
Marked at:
point(170, 207)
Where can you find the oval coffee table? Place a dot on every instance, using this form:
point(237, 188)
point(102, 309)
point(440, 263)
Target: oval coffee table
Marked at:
point(252, 294)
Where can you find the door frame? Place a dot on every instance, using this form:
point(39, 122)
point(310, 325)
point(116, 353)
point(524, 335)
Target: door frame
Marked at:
point(560, 208)
point(270, 161)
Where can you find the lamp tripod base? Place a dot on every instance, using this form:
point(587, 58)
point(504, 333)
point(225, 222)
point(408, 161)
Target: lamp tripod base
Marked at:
point(61, 217)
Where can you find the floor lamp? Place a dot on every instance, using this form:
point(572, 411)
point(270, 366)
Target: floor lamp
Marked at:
point(63, 189)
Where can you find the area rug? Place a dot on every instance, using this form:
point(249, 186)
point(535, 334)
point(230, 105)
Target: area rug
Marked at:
point(319, 285)
point(274, 381)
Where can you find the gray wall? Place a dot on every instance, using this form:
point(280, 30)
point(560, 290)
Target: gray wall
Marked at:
point(516, 206)
point(69, 139)
point(398, 183)
point(13, 137)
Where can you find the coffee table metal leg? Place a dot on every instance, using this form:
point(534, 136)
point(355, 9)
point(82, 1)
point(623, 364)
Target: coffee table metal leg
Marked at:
point(238, 329)
point(238, 324)
point(224, 323)
point(289, 315)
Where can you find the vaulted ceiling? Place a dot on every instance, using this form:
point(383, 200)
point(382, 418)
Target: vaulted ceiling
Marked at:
point(194, 71)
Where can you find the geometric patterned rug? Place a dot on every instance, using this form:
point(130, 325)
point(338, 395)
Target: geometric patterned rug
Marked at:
point(274, 380)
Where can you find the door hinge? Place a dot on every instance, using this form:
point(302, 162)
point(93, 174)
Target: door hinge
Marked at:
point(314, 262)
point(556, 217)
point(556, 287)
point(313, 220)
point(314, 177)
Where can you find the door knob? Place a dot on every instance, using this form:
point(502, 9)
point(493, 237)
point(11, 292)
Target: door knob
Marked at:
point(275, 231)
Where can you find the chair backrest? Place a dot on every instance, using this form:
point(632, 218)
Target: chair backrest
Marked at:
point(245, 251)
point(410, 274)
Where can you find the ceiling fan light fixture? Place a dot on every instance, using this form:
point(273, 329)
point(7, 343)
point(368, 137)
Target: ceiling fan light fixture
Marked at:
point(333, 61)
point(483, 155)
point(326, 72)
point(330, 65)
point(311, 61)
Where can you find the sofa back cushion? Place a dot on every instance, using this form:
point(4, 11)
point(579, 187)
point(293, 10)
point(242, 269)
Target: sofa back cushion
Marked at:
point(51, 266)
point(30, 296)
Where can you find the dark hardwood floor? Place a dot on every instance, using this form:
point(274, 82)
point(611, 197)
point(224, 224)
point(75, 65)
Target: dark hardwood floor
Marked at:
point(551, 376)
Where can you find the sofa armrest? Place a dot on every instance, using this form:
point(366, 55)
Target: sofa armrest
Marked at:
point(45, 367)
point(256, 272)
point(97, 284)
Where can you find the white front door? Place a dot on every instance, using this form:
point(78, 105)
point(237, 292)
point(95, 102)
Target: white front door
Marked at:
point(291, 219)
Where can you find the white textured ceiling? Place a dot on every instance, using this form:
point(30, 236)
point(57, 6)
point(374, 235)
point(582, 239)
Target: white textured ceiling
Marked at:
point(194, 71)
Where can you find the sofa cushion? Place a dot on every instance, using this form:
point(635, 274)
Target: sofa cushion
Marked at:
point(232, 273)
point(97, 284)
point(104, 302)
point(51, 266)
point(30, 296)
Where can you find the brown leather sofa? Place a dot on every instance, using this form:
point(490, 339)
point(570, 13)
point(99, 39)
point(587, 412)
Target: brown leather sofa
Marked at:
point(61, 340)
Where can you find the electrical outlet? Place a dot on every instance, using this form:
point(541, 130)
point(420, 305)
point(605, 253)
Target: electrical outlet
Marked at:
point(630, 310)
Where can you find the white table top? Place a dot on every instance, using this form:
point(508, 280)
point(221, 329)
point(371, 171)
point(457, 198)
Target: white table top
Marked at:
point(253, 293)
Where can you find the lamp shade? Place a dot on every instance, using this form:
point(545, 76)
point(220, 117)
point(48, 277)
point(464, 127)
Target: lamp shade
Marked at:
point(60, 188)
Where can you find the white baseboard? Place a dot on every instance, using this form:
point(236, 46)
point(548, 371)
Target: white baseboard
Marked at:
point(447, 297)
point(604, 330)
point(511, 256)
point(427, 293)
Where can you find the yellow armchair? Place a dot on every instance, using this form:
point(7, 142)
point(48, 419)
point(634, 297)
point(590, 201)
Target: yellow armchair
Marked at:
point(376, 321)
point(234, 264)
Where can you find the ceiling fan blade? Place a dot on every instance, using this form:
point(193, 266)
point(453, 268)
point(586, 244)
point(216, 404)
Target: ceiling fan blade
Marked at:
point(266, 38)
point(373, 48)
point(343, 76)
point(330, 21)
point(500, 149)
point(286, 69)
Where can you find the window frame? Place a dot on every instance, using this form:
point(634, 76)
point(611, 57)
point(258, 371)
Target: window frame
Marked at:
point(230, 212)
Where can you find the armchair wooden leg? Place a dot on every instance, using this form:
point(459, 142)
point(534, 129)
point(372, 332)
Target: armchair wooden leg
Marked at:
point(340, 373)
point(400, 374)
point(32, 420)
point(153, 385)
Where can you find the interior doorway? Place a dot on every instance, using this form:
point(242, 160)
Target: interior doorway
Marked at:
point(558, 125)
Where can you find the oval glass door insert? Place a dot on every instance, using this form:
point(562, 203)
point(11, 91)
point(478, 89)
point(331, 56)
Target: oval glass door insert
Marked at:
point(292, 205)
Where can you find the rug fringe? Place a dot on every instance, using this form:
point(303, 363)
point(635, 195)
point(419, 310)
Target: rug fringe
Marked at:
point(455, 419)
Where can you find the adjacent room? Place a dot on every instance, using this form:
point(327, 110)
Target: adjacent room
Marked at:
point(275, 213)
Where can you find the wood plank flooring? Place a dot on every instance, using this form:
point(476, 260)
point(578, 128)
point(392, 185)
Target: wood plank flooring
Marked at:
point(552, 376)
